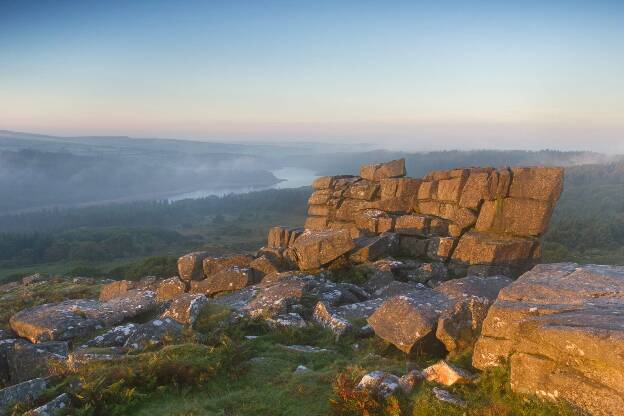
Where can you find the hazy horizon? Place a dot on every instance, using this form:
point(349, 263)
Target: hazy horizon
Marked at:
point(450, 75)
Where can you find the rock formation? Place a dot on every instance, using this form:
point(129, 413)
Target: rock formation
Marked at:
point(478, 220)
point(561, 327)
point(435, 258)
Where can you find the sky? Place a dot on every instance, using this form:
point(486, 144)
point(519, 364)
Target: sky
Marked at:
point(406, 75)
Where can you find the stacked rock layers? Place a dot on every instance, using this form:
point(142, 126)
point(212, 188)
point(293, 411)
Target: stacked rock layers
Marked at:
point(483, 219)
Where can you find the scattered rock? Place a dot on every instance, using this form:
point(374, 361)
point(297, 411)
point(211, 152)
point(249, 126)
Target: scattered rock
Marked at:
point(314, 249)
point(154, 333)
point(185, 308)
point(327, 318)
point(115, 337)
point(410, 380)
point(28, 361)
point(25, 392)
point(190, 266)
point(287, 320)
point(115, 289)
point(169, 289)
point(305, 348)
point(379, 383)
point(53, 407)
point(406, 319)
point(214, 265)
point(446, 374)
point(447, 397)
point(301, 369)
point(225, 280)
point(35, 278)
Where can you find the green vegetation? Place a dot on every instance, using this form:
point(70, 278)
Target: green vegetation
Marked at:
point(227, 372)
point(134, 240)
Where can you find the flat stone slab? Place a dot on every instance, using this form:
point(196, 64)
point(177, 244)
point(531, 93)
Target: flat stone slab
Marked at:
point(78, 318)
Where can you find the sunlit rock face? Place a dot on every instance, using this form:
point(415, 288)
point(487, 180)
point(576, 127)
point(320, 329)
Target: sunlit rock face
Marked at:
point(561, 327)
point(483, 221)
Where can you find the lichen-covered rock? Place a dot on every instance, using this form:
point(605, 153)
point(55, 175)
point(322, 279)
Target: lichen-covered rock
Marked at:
point(185, 308)
point(57, 321)
point(53, 407)
point(115, 289)
point(27, 361)
point(35, 278)
point(379, 383)
point(25, 392)
point(407, 319)
point(79, 318)
point(224, 280)
point(314, 249)
point(404, 320)
point(561, 326)
point(265, 265)
point(154, 333)
point(114, 337)
point(190, 266)
point(169, 289)
point(326, 317)
point(214, 265)
point(287, 320)
point(410, 380)
point(447, 397)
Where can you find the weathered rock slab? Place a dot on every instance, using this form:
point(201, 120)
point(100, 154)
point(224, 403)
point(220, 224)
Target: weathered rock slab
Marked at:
point(562, 328)
point(314, 249)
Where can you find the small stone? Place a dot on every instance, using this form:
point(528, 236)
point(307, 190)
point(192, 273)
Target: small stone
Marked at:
point(301, 369)
point(447, 374)
point(445, 396)
point(410, 380)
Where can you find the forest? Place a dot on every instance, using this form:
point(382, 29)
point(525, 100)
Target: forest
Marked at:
point(145, 237)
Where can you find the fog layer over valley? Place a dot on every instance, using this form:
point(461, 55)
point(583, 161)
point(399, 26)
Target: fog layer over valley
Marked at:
point(38, 171)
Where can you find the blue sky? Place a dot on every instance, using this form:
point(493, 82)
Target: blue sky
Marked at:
point(417, 75)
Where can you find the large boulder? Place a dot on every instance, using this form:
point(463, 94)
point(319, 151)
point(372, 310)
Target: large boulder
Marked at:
point(372, 248)
point(57, 321)
point(406, 319)
point(78, 318)
point(169, 289)
point(115, 289)
point(190, 266)
point(378, 171)
point(214, 265)
point(314, 249)
point(561, 326)
point(484, 248)
point(25, 392)
point(27, 361)
point(185, 308)
point(224, 280)
point(452, 312)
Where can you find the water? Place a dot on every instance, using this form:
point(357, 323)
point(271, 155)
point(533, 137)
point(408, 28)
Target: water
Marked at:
point(291, 178)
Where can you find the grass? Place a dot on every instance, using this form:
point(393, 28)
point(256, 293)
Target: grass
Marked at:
point(228, 373)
